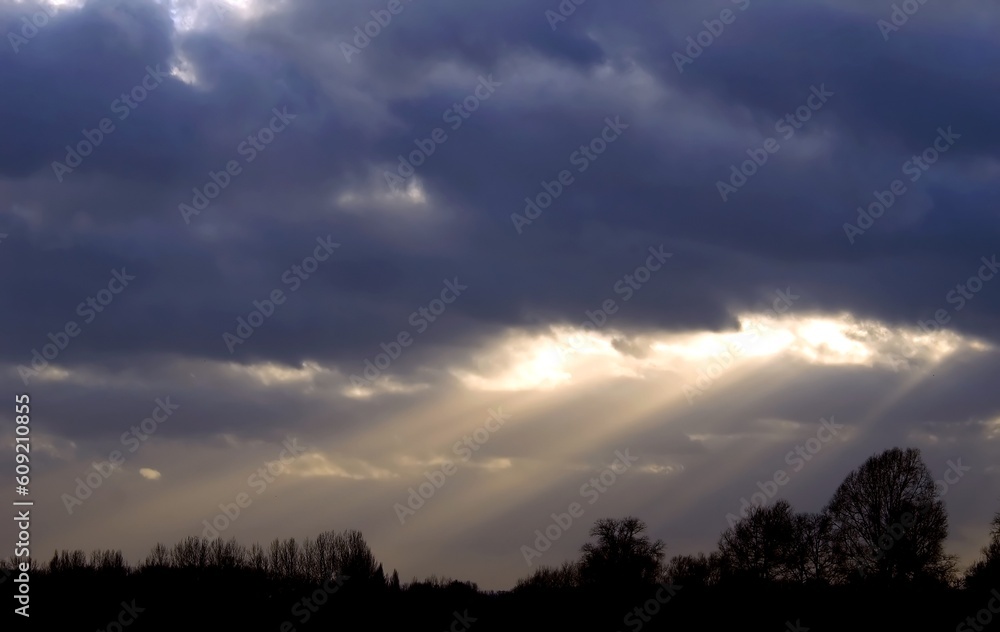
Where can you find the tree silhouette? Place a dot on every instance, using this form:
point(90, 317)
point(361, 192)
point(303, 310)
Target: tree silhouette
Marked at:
point(546, 578)
point(284, 557)
point(793, 558)
point(275, 586)
point(257, 558)
point(226, 554)
point(622, 555)
point(694, 570)
point(355, 559)
point(812, 554)
point(159, 557)
point(191, 552)
point(760, 547)
point(985, 572)
point(886, 522)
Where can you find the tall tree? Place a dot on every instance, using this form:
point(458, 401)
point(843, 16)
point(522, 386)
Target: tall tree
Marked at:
point(191, 552)
point(355, 559)
point(159, 557)
point(622, 555)
point(285, 559)
point(226, 554)
point(812, 554)
point(887, 523)
point(760, 546)
point(257, 558)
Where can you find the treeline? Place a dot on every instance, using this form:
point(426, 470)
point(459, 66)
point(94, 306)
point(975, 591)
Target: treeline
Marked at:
point(311, 560)
point(876, 547)
point(287, 585)
point(884, 527)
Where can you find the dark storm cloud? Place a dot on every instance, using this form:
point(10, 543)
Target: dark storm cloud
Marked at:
point(655, 184)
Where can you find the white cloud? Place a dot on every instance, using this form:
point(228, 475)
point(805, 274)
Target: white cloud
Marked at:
point(570, 356)
point(150, 474)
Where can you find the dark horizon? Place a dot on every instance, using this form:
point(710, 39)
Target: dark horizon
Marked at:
point(878, 541)
point(760, 502)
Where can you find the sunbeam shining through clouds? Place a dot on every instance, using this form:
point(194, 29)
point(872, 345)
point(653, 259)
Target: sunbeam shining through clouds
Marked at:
point(549, 315)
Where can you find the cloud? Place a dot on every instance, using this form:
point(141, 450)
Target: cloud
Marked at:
point(889, 333)
point(149, 474)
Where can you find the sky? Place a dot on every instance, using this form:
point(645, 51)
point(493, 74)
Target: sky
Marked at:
point(460, 275)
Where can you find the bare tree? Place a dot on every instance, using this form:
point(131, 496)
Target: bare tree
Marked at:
point(228, 554)
point(694, 570)
point(549, 578)
point(622, 555)
point(159, 557)
point(284, 557)
point(760, 546)
point(66, 561)
point(326, 554)
point(191, 552)
point(887, 523)
point(355, 558)
point(108, 561)
point(311, 560)
point(812, 554)
point(258, 558)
